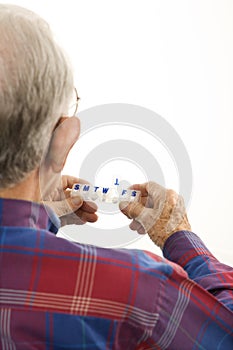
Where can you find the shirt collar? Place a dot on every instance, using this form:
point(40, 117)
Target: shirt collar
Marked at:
point(20, 213)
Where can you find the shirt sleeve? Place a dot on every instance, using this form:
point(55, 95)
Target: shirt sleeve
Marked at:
point(187, 250)
point(189, 315)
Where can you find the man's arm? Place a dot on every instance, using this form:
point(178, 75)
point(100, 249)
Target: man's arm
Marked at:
point(162, 214)
point(187, 249)
point(189, 317)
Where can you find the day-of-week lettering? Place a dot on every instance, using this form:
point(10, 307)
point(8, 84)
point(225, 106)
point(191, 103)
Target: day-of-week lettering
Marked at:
point(104, 190)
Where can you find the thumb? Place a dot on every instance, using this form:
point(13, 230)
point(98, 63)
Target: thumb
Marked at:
point(66, 206)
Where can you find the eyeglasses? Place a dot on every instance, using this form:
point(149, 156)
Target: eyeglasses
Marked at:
point(73, 108)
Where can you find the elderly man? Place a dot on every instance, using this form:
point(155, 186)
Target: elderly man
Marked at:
point(56, 294)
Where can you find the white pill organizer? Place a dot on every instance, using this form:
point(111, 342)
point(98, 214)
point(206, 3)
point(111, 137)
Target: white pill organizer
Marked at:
point(104, 194)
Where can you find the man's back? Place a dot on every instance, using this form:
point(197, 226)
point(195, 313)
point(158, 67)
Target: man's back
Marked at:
point(58, 294)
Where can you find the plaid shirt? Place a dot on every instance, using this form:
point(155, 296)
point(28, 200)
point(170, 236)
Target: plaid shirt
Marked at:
point(56, 294)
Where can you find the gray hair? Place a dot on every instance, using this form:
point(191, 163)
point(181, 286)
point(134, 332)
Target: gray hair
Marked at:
point(36, 83)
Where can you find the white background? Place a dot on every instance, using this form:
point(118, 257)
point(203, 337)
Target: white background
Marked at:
point(174, 57)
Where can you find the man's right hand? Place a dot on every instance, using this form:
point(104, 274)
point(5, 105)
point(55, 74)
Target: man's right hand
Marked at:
point(160, 212)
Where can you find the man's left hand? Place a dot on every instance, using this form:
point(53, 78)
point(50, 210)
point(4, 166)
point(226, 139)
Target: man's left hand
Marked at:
point(71, 210)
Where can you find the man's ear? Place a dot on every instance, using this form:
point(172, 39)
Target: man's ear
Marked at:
point(64, 136)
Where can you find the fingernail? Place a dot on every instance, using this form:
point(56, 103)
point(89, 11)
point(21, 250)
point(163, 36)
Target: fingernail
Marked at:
point(77, 200)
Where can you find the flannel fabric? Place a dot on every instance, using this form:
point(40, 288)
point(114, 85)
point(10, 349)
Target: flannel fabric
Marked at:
point(56, 294)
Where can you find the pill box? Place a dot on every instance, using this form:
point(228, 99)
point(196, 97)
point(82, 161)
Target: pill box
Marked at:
point(104, 194)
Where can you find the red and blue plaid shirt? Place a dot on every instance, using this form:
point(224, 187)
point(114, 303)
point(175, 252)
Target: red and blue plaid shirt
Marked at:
point(56, 294)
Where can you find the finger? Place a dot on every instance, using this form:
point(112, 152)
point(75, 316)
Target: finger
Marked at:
point(132, 210)
point(68, 205)
point(87, 217)
point(148, 188)
point(71, 219)
point(150, 193)
point(141, 230)
point(89, 207)
point(65, 206)
point(136, 226)
point(78, 218)
point(75, 202)
point(140, 187)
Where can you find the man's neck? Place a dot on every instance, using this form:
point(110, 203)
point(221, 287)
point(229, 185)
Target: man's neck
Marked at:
point(28, 189)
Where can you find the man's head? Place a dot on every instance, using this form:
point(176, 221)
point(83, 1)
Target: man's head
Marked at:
point(36, 85)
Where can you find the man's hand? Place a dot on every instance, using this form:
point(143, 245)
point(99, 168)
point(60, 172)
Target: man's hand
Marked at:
point(71, 210)
point(160, 212)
